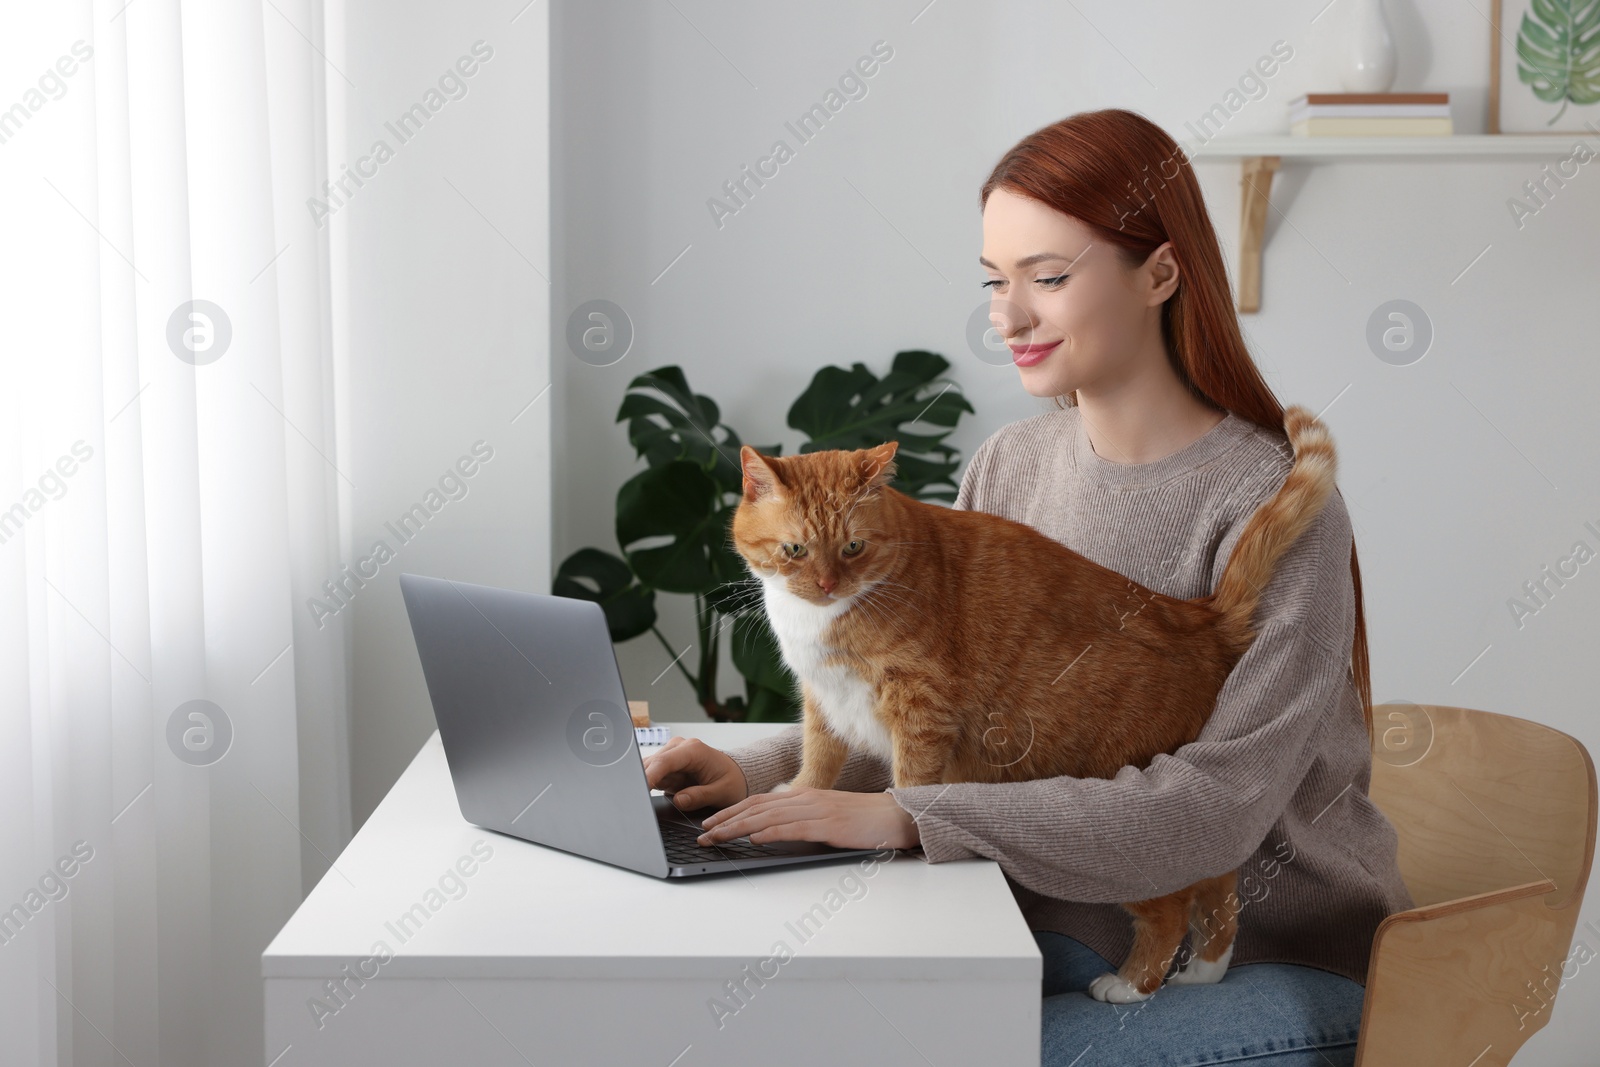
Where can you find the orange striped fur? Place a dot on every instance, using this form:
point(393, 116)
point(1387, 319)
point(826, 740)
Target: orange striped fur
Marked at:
point(965, 647)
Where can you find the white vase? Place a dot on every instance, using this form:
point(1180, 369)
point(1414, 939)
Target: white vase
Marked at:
point(1369, 55)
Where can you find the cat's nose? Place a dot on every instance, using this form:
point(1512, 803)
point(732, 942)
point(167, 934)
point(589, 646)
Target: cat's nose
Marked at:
point(827, 584)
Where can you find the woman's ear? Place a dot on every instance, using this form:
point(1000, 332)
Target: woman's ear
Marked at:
point(1161, 267)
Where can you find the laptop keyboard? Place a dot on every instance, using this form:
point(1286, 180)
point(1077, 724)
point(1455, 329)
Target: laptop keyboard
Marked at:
point(679, 839)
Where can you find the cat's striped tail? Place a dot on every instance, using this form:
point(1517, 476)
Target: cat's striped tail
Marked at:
point(1276, 524)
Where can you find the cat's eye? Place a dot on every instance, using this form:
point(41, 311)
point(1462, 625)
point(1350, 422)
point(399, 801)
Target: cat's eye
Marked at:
point(793, 550)
point(854, 547)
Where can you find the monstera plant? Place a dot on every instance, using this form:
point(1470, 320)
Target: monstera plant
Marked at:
point(673, 518)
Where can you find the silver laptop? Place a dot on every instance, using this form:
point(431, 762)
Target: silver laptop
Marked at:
point(535, 726)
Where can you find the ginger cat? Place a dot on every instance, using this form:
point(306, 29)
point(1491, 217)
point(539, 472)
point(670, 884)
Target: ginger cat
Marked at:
point(935, 637)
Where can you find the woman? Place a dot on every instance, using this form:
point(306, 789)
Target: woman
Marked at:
point(1108, 285)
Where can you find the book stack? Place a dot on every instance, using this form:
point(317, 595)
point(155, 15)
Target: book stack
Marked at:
point(1370, 115)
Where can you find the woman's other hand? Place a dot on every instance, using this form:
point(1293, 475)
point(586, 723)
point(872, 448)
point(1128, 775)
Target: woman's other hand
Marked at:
point(695, 775)
point(830, 816)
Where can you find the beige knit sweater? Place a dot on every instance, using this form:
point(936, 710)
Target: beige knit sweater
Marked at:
point(1277, 781)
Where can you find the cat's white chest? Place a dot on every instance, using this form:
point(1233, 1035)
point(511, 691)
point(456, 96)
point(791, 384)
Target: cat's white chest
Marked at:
point(847, 702)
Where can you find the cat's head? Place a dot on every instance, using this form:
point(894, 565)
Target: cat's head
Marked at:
point(811, 521)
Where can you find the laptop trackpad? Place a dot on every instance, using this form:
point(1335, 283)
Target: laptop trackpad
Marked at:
point(666, 809)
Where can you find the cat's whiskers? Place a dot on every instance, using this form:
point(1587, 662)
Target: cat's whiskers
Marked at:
point(894, 601)
point(744, 590)
point(878, 613)
point(752, 601)
point(908, 601)
point(745, 615)
point(741, 610)
point(891, 601)
point(899, 585)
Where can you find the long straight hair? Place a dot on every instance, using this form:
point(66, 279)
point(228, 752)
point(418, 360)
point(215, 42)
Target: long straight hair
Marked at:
point(1123, 177)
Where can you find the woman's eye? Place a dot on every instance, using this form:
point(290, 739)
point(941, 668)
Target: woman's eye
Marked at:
point(1049, 283)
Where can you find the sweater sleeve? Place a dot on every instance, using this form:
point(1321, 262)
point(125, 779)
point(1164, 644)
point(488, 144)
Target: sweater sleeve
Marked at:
point(1203, 809)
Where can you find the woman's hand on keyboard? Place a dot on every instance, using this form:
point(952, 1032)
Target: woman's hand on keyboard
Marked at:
point(831, 816)
point(695, 775)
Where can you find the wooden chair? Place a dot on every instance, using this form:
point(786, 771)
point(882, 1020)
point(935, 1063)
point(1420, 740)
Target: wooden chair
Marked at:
point(1496, 819)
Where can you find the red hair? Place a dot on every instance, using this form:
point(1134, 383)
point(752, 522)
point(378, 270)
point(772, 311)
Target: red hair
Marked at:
point(1123, 177)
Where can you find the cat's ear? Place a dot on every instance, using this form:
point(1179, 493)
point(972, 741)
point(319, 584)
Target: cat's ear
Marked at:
point(877, 465)
point(761, 478)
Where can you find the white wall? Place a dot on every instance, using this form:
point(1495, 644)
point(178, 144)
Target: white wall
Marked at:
point(444, 259)
point(1464, 473)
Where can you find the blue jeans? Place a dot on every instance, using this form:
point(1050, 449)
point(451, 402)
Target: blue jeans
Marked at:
point(1272, 1014)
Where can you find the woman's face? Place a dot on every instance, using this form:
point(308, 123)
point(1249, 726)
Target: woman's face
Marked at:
point(1073, 315)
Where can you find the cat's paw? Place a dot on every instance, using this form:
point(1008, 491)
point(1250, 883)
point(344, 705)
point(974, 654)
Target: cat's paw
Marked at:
point(1112, 988)
point(1196, 971)
point(782, 787)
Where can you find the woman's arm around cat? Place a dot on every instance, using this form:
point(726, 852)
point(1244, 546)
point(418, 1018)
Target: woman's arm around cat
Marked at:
point(1145, 832)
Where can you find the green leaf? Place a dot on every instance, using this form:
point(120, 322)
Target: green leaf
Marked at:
point(590, 574)
point(1558, 52)
point(926, 474)
point(734, 710)
point(854, 409)
point(823, 409)
point(755, 652)
point(676, 503)
point(770, 705)
point(771, 691)
point(726, 562)
point(668, 421)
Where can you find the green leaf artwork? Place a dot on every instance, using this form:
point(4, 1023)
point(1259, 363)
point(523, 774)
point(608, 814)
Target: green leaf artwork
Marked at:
point(1558, 52)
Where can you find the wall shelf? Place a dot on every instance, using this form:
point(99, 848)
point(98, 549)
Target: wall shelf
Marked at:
point(1260, 157)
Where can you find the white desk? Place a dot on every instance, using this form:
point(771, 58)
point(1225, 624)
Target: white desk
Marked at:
point(541, 957)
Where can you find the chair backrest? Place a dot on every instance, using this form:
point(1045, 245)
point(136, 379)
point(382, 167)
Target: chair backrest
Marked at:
point(1482, 801)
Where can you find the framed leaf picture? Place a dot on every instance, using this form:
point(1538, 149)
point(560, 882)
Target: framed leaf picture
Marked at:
point(1544, 66)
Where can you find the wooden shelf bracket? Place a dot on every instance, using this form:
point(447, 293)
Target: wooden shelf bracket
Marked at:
point(1255, 183)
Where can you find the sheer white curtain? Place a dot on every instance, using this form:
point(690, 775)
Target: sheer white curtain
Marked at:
point(170, 492)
